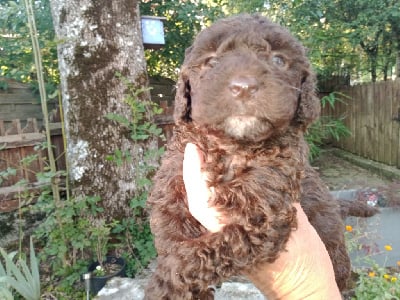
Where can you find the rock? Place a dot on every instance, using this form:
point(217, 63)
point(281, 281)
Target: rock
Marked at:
point(238, 290)
point(133, 289)
point(122, 289)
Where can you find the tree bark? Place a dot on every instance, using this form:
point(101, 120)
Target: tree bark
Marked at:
point(98, 38)
point(398, 61)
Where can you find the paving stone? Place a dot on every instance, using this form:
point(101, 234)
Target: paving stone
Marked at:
point(133, 289)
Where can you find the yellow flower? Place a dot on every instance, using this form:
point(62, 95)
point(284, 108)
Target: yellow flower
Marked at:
point(388, 248)
point(398, 263)
point(349, 228)
point(393, 279)
point(386, 276)
point(371, 274)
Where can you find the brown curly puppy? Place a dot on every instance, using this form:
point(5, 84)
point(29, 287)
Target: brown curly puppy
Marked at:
point(245, 96)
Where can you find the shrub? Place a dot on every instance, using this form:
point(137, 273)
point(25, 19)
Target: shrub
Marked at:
point(326, 128)
point(17, 275)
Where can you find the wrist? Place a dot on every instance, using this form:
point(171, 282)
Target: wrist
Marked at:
point(303, 271)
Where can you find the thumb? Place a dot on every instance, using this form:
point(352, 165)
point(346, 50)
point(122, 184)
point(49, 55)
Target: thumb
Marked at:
point(197, 190)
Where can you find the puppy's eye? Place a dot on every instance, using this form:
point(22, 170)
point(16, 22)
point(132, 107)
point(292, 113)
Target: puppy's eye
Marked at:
point(278, 60)
point(211, 62)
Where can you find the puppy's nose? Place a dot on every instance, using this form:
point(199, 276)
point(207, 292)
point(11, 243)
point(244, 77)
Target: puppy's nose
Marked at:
point(243, 86)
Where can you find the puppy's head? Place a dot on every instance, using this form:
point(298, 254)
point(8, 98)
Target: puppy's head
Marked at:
point(246, 78)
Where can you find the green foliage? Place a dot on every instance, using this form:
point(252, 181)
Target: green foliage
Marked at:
point(100, 235)
point(16, 49)
point(377, 284)
point(344, 37)
point(357, 38)
point(4, 175)
point(69, 234)
point(24, 280)
point(3, 86)
point(141, 127)
point(5, 292)
point(134, 233)
point(374, 282)
point(326, 128)
point(184, 20)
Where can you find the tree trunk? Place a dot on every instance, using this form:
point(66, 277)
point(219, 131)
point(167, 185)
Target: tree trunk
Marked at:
point(98, 38)
point(373, 65)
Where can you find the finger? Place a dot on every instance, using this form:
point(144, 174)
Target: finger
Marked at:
point(196, 187)
point(192, 163)
point(197, 190)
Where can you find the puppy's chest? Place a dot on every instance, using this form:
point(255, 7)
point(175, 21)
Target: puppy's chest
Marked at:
point(254, 166)
point(225, 168)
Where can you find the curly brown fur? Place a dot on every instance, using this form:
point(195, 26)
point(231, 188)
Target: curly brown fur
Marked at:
point(356, 209)
point(324, 214)
point(245, 97)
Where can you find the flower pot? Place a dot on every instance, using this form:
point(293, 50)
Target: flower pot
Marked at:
point(98, 282)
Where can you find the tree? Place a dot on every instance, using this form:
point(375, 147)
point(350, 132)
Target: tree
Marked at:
point(15, 44)
point(184, 20)
point(97, 39)
point(393, 17)
point(344, 36)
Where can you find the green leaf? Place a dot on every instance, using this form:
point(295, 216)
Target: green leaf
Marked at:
point(118, 118)
point(26, 282)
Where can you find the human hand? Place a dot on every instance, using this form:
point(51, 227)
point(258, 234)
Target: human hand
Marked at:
point(304, 271)
point(197, 190)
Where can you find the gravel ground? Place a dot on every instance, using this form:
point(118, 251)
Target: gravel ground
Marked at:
point(340, 174)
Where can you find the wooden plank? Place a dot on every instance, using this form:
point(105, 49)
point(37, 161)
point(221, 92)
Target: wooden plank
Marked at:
point(2, 128)
point(381, 122)
point(336, 112)
point(351, 142)
point(12, 158)
point(357, 119)
point(164, 119)
point(18, 98)
point(387, 142)
point(15, 127)
point(21, 140)
point(8, 117)
point(396, 124)
point(375, 136)
point(59, 153)
point(23, 111)
point(344, 110)
point(9, 195)
point(370, 122)
point(363, 121)
point(31, 126)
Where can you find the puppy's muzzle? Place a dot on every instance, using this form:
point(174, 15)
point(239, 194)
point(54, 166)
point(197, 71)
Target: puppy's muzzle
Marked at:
point(243, 87)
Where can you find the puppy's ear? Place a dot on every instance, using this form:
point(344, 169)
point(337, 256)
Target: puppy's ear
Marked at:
point(183, 103)
point(309, 106)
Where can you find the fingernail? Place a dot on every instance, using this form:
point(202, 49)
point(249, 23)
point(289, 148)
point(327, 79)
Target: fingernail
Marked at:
point(190, 146)
point(191, 150)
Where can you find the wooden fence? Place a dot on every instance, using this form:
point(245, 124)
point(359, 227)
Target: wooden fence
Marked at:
point(18, 140)
point(19, 134)
point(373, 116)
